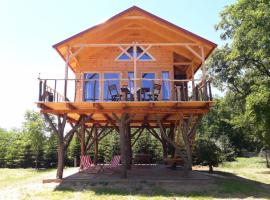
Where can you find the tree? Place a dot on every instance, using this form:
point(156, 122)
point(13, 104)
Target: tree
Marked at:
point(50, 151)
point(34, 126)
point(242, 67)
point(207, 153)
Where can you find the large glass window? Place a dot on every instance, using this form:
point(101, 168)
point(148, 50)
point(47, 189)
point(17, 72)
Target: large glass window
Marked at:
point(111, 79)
point(91, 87)
point(165, 86)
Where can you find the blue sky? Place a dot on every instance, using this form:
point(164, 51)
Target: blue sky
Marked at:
point(30, 27)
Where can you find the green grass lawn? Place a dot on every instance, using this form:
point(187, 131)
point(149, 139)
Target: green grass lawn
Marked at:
point(244, 178)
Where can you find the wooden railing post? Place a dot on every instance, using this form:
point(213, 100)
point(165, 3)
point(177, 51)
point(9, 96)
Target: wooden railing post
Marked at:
point(196, 93)
point(210, 91)
point(54, 91)
point(40, 91)
point(44, 90)
point(205, 90)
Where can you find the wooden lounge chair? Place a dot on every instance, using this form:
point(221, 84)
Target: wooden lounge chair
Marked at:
point(86, 165)
point(115, 162)
point(113, 91)
point(155, 92)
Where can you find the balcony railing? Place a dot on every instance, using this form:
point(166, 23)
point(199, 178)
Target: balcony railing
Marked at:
point(140, 89)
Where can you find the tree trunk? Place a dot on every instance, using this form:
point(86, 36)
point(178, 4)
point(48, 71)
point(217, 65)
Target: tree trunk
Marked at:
point(122, 128)
point(211, 168)
point(267, 160)
point(36, 158)
point(60, 158)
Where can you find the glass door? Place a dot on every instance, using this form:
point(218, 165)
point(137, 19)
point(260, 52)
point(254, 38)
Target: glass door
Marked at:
point(111, 86)
point(147, 85)
point(91, 87)
point(165, 86)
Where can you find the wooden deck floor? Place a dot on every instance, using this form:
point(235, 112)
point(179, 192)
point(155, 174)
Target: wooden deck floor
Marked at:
point(141, 173)
point(140, 111)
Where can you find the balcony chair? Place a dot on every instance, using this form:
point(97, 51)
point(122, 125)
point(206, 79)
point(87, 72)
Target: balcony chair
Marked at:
point(113, 91)
point(155, 92)
point(126, 93)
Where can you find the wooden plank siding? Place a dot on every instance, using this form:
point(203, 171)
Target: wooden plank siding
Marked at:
point(104, 62)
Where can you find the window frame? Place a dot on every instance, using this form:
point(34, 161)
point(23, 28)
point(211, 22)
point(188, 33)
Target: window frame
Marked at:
point(132, 57)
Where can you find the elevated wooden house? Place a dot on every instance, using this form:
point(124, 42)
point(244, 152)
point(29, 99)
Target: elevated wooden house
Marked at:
point(135, 71)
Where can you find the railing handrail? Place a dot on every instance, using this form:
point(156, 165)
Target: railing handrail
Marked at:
point(199, 91)
point(121, 79)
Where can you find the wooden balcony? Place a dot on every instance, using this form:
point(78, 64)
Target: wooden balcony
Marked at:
point(123, 90)
point(179, 97)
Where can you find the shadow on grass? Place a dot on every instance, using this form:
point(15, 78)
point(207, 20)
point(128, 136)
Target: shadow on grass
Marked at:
point(231, 187)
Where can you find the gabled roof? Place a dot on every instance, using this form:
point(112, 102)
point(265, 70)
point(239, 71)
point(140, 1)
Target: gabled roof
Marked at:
point(143, 11)
point(133, 11)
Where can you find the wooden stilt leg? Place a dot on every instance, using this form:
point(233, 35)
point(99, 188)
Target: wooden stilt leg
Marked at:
point(82, 140)
point(63, 140)
point(186, 124)
point(129, 148)
point(122, 128)
point(60, 155)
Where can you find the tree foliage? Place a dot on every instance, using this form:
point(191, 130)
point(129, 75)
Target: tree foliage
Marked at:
point(242, 69)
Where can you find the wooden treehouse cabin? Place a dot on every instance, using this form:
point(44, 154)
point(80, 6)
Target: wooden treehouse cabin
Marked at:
point(133, 72)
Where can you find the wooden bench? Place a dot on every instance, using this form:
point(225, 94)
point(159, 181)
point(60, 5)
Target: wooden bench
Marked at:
point(142, 158)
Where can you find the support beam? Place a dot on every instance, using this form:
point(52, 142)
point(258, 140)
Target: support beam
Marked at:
point(138, 136)
point(123, 148)
point(63, 139)
point(129, 146)
point(82, 140)
point(164, 135)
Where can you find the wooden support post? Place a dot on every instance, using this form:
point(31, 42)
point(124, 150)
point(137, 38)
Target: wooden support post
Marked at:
point(172, 137)
point(60, 153)
point(95, 145)
point(129, 146)
point(135, 70)
point(122, 128)
point(63, 140)
point(66, 73)
point(82, 140)
point(205, 98)
point(186, 124)
point(193, 83)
